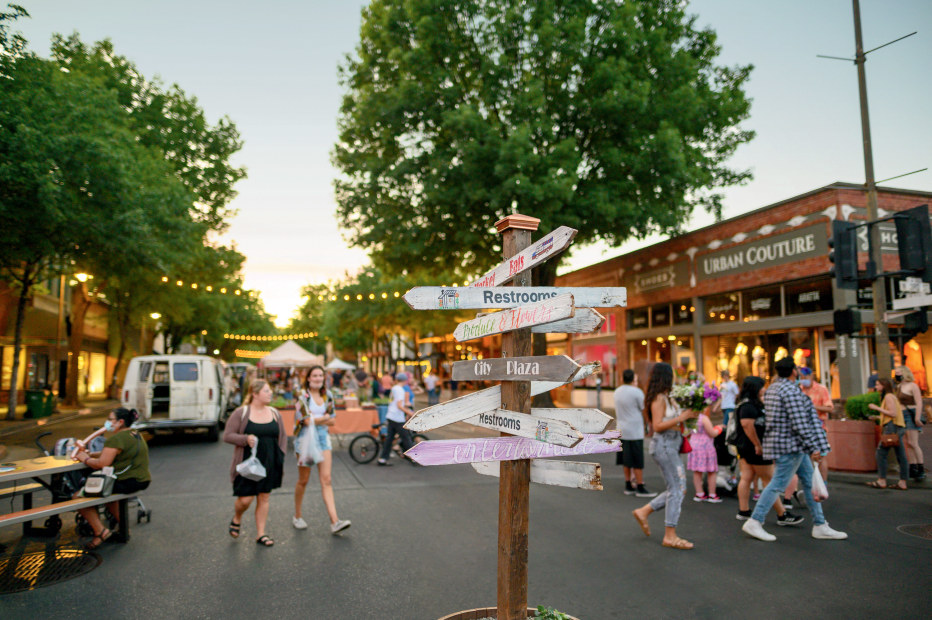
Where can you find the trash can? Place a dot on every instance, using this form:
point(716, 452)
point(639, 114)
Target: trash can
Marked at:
point(50, 399)
point(35, 403)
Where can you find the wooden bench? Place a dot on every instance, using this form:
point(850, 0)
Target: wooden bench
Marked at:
point(21, 489)
point(42, 512)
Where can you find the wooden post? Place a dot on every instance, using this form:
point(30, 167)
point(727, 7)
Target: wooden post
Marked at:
point(514, 484)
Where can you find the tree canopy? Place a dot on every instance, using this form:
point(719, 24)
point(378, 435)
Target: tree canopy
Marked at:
point(609, 117)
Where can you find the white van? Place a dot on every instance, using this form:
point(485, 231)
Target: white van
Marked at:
point(176, 392)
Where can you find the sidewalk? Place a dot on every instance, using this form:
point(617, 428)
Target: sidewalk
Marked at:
point(90, 406)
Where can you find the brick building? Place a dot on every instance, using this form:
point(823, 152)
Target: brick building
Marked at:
point(742, 293)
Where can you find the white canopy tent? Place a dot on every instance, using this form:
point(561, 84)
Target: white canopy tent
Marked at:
point(338, 364)
point(290, 355)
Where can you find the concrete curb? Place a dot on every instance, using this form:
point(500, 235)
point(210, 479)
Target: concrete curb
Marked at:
point(12, 428)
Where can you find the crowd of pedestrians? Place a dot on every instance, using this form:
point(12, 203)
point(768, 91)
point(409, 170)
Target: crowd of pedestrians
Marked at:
point(779, 437)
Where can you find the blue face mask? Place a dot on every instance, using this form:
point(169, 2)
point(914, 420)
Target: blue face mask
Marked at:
point(108, 426)
point(805, 382)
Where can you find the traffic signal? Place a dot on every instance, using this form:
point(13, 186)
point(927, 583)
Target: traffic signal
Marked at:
point(844, 254)
point(914, 238)
point(847, 321)
point(916, 322)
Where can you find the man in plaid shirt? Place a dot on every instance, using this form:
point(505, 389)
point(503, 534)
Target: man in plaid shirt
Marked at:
point(793, 438)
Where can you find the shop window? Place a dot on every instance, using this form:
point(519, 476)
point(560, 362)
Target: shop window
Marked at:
point(683, 312)
point(637, 352)
point(661, 350)
point(638, 318)
point(760, 303)
point(722, 308)
point(802, 348)
point(96, 373)
point(38, 371)
point(809, 297)
point(684, 357)
point(660, 316)
point(6, 367)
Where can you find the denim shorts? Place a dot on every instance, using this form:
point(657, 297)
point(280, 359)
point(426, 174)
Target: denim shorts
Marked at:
point(908, 416)
point(323, 438)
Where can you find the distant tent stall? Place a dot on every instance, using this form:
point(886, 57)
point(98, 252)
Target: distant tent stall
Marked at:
point(290, 355)
point(338, 364)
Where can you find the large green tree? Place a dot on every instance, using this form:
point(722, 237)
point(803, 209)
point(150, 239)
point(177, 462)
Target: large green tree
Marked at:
point(611, 117)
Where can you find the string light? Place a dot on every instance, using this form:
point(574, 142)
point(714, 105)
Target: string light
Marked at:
point(266, 338)
point(245, 353)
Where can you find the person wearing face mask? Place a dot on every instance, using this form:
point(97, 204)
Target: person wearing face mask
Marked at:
point(127, 452)
point(824, 406)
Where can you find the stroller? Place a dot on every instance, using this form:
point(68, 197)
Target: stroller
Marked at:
point(727, 480)
point(64, 485)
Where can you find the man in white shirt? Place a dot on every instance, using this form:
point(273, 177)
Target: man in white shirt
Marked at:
point(729, 392)
point(398, 413)
point(430, 383)
point(631, 419)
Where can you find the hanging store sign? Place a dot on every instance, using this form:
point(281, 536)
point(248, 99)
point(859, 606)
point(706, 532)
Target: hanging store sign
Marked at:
point(790, 247)
point(675, 274)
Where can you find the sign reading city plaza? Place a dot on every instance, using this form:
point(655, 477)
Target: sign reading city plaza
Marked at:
point(808, 242)
point(530, 368)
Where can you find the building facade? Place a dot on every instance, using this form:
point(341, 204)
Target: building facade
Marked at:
point(745, 292)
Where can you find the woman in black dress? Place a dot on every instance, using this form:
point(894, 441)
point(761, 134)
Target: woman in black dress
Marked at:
point(256, 426)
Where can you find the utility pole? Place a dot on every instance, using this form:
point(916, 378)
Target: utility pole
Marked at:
point(881, 334)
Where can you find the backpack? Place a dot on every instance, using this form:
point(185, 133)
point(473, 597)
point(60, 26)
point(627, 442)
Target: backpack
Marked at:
point(731, 431)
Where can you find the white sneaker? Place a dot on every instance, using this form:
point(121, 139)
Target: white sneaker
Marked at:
point(299, 523)
point(753, 527)
point(824, 532)
point(339, 526)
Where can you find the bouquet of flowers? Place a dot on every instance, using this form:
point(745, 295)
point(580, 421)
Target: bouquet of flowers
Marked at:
point(696, 395)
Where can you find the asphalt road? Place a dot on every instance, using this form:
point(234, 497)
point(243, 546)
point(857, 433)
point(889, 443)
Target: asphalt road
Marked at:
point(423, 544)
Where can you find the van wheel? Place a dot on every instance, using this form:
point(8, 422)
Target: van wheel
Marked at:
point(213, 433)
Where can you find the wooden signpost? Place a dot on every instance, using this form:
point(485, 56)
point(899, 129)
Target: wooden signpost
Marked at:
point(526, 433)
point(549, 367)
point(547, 311)
point(475, 298)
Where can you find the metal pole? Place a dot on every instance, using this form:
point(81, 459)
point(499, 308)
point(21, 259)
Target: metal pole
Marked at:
point(881, 335)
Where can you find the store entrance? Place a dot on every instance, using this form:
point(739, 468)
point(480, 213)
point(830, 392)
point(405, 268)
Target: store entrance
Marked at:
point(828, 353)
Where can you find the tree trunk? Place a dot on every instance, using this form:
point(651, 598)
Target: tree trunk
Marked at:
point(80, 302)
point(544, 274)
point(123, 322)
point(25, 282)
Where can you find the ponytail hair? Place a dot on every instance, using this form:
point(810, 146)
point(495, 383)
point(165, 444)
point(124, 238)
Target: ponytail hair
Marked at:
point(127, 416)
point(254, 388)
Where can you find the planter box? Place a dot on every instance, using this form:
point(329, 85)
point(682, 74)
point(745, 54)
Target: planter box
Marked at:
point(485, 612)
point(854, 444)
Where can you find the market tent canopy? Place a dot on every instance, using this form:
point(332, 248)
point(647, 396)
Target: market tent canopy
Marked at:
point(290, 354)
point(338, 364)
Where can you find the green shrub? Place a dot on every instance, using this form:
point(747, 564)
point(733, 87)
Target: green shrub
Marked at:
point(549, 613)
point(856, 407)
point(281, 403)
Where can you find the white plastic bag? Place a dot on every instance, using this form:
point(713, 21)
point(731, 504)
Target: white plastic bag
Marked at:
point(819, 490)
point(251, 468)
point(309, 452)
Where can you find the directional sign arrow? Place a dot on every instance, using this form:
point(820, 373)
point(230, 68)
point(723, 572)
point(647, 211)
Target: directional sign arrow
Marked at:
point(548, 246)
point(549, 367)
point(454, 451)
point(583, 420)
point(573, 474)
point(550, 310)
point(584, 321)
point(474, 298)
point(484, 400)
point(524, 425)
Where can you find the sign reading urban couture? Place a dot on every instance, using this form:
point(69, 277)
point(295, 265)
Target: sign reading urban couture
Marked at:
point(808, 242)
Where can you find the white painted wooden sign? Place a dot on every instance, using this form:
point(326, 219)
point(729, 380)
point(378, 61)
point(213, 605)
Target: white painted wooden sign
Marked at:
point(455, 451)
point(556, 432)
point(584, 321)
point(547, 311)
point(488, 399)
point(549, 245)
point(573, 474)
point(583, 420)
point(530, 368)
point(474, 298)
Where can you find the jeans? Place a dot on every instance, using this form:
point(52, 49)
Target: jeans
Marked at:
point(890, 428)
point(396, 428)
point(787, 465)
point(725, 414)
point(433, 396)
point(665, 448)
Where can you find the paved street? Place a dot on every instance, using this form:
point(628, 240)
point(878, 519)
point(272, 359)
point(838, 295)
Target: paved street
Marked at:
point(423, 542)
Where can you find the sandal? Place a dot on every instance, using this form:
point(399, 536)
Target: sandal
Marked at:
point(876, 485)
point(265, 541)
point(234, 529)
point(897, 487)
point(642, 522)
point(679, 543)
point(98, 539)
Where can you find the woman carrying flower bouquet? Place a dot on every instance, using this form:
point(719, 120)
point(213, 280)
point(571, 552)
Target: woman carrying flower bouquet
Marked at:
point(666, 419)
